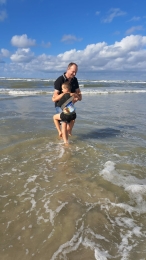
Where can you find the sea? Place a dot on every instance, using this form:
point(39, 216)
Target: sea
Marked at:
point(83, 201)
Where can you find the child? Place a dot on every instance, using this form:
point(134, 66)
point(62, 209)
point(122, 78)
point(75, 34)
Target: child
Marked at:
point(68, 114)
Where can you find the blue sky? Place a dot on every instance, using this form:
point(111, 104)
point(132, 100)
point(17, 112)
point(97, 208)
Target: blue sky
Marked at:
point(107, 39)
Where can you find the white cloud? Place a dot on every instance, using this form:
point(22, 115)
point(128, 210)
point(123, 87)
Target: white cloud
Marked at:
point(116, 33)
point(68, 38)
point(22, 55)
point(134, 29)
point(3, 1)
point(5, 53)
point(135, 18)
point(97, 13)
point(100, 56)
point(3, 15)
point(46, 45)
point(21, 41)
point(112, 13)
point(129, 54)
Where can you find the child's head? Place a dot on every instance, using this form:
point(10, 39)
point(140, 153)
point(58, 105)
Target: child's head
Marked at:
point(66, 87)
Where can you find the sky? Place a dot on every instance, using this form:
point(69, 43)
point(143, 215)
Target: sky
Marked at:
point(106, 38)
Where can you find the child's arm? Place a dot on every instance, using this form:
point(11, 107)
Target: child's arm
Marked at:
point(57, 97)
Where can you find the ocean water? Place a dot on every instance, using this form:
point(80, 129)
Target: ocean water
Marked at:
point(85, 201)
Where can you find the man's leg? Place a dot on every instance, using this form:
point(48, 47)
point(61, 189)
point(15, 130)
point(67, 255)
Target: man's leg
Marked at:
point(70, 127)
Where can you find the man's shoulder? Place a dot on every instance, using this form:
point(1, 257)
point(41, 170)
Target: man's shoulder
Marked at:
point(59, 79)
point(58, 83)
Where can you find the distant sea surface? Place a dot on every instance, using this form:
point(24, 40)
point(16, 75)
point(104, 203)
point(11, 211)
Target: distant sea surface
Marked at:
point(87, 200)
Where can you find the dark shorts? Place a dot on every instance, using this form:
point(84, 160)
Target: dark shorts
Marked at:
point(68, 117)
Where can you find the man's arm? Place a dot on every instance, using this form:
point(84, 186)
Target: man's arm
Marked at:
point(57, 89)
point(76, 97)
point(78, 92)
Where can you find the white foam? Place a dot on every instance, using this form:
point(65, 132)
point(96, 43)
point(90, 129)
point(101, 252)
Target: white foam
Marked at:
point(123, 221)
point(50, 235)
point(30, 226)
point(136, 192)
point(59, 208)
point(30, 179)
point(69, 246)
point(136, 189)
point(105, 92)
point(51, 212)
point(8, 224)
point(134, 186)
point(80, 80)
point(14, 170)
point(107, 172)
point(100, 255)
point(3, 196)
point(62, 150)
point(33, 202)
point(6, 173)
point(45, 220)
point(97, 236)
point(85, 91)
point(23, 193)
point(34, 190)
point(24, 92)
point(27, 251)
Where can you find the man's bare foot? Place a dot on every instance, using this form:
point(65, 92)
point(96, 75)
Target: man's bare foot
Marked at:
point(66, 144)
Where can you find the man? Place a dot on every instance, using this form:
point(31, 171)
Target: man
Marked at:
point(68, 113)
point(69, 76)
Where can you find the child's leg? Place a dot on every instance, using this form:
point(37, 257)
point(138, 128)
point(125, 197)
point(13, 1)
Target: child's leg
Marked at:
point(64, 132)
point(70, 127)
point(56, 122)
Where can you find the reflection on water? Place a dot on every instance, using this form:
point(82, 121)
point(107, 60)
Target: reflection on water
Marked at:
point(66, 204)
point(85, 201)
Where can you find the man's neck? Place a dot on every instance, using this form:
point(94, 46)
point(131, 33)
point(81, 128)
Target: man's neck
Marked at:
point(69, 79)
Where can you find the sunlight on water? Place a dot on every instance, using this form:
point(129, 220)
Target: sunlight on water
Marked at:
point(85, 201)
point(58, 199)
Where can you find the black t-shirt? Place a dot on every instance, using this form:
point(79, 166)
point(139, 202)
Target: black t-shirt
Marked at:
point(58, 85)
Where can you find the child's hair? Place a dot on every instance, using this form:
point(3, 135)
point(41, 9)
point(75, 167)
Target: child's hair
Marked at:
point(67, 85)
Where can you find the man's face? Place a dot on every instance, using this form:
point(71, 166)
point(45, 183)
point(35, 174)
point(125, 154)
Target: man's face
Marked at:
point(72, 71)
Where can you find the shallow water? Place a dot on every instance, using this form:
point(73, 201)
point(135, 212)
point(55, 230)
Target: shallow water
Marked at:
point(85, 201)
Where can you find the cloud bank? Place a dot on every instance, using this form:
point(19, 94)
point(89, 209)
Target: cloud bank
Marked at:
point(129, 54)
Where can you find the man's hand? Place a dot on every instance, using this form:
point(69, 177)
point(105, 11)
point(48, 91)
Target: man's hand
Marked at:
point(76, 97)
point(78, 92)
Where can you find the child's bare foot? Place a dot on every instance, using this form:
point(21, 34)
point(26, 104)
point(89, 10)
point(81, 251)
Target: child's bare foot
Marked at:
point(60, 134)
